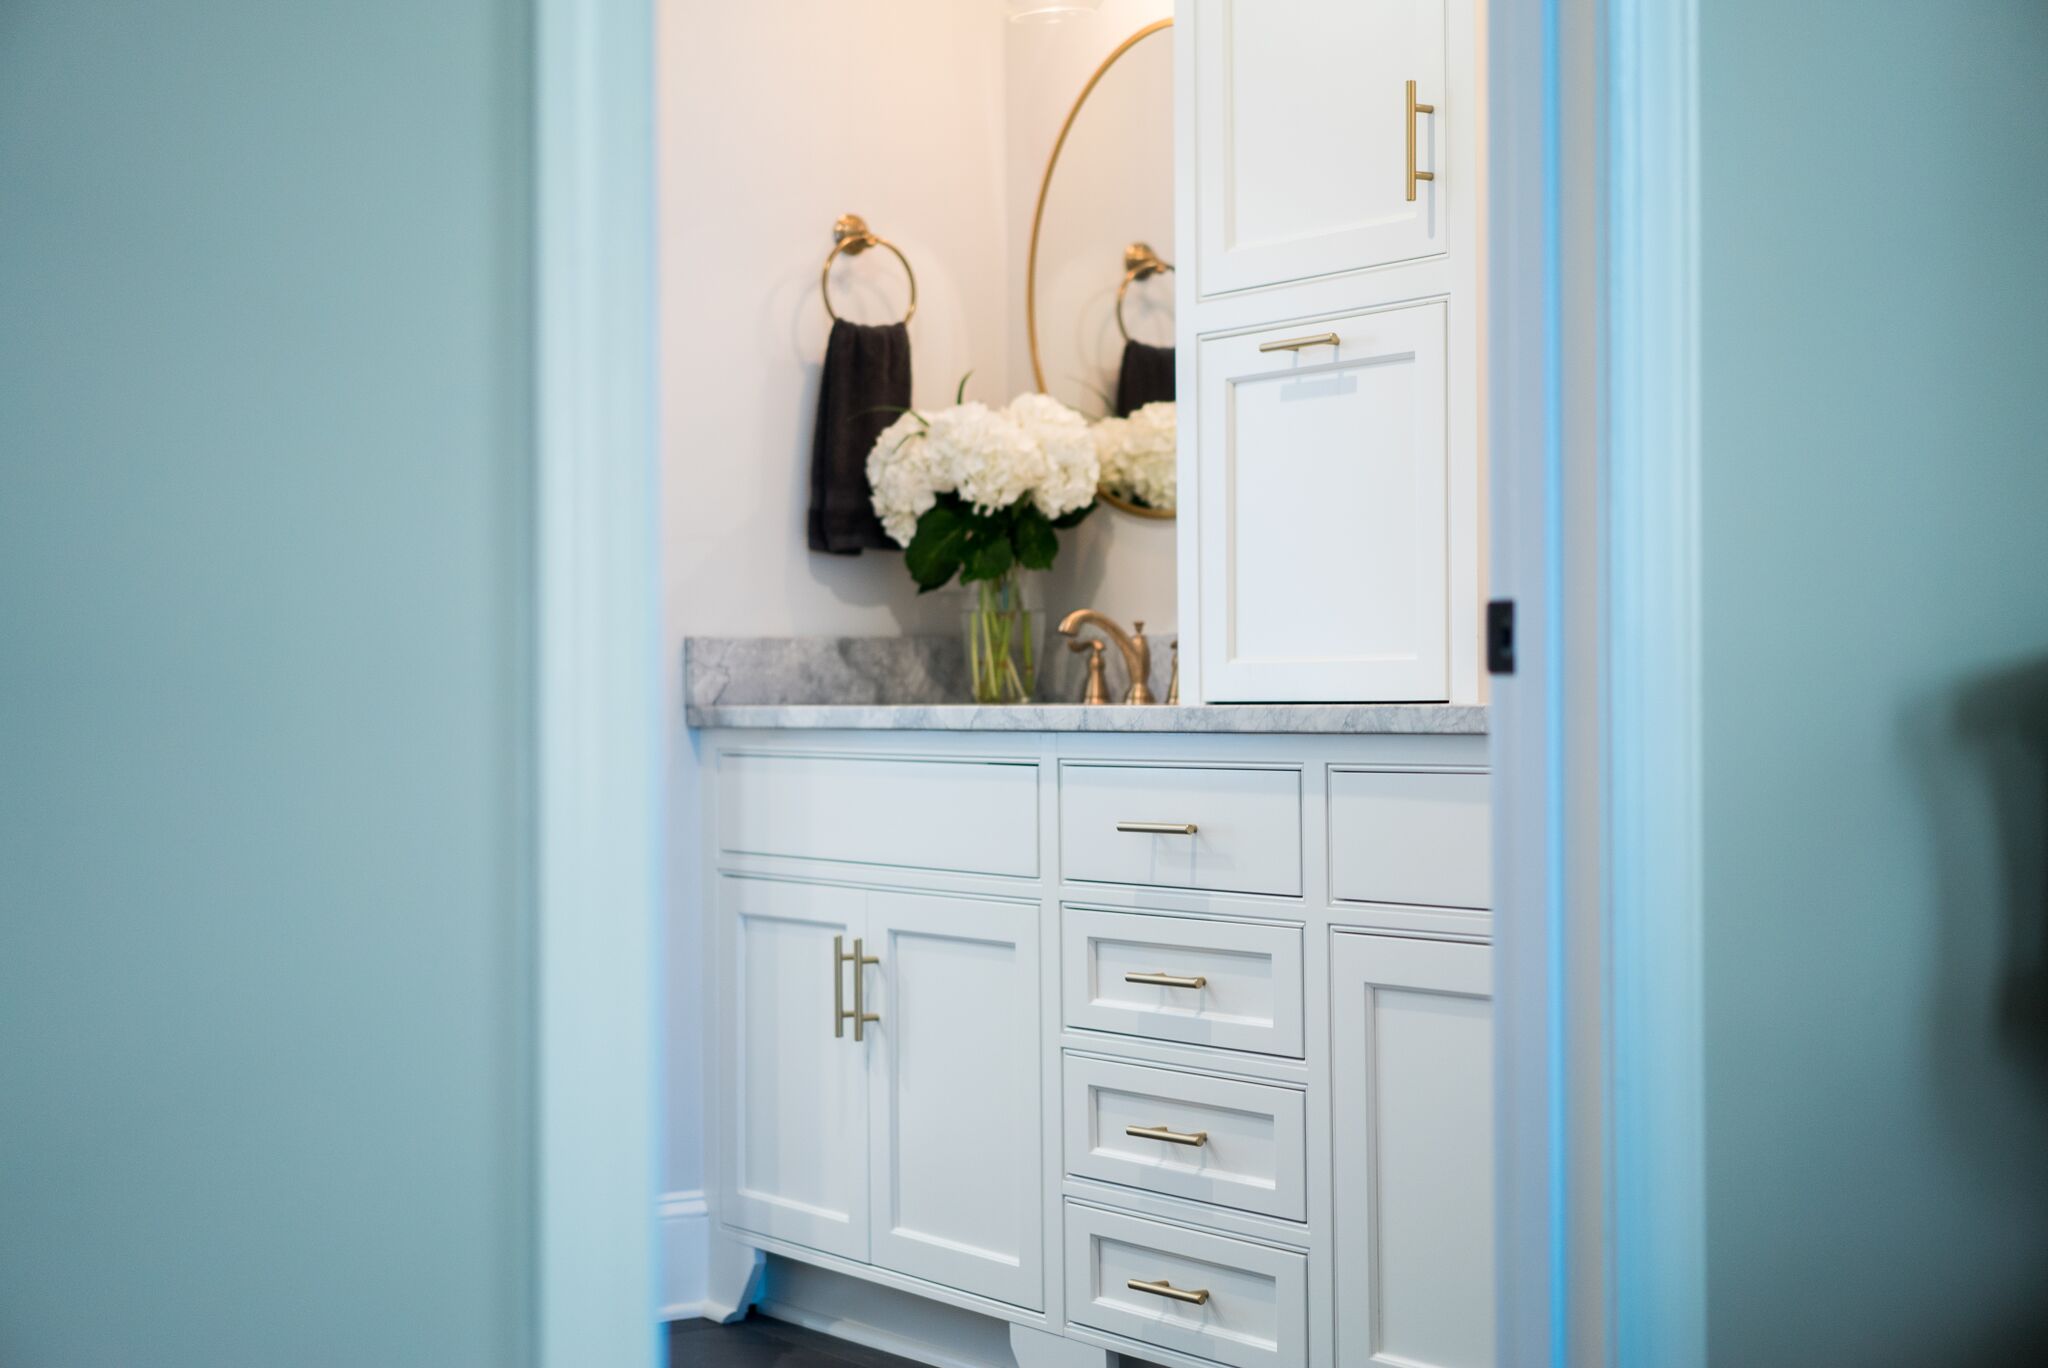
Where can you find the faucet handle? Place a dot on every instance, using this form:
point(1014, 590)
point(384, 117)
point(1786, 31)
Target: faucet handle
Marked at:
point(1098, 684)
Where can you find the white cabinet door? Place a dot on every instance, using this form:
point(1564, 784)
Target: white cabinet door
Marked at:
point(1301, 137)
point(955, 1095)
point(795, 1125)
point(1323, 509)
point(1412, 1110)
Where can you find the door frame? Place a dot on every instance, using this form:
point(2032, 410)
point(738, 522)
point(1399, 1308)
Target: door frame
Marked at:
point(597, 705)
point(1593, 411)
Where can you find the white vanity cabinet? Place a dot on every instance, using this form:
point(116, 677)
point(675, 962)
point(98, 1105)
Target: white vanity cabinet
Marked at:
point(1169, 1045)
point(876, 1043)
point(1331, 480)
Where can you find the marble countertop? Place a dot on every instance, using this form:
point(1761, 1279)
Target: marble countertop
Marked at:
point(1434, 719)
point(909, 684)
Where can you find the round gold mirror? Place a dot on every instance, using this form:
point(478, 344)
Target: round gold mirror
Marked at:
point(1098, 281)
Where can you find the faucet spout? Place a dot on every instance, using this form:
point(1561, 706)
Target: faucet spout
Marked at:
point(1136, 651)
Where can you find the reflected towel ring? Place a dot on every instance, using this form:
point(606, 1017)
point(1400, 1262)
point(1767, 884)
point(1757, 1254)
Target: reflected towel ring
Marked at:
point(852, 236)
point(1140, 263)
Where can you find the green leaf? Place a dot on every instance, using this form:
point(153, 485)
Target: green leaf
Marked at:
point(989, 560)
point(1037, 543)
point(960, 395)
point(938, 547)
point(1073, 519)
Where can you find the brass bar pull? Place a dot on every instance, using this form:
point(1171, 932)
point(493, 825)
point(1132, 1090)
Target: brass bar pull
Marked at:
point(1158, 828)
point(1297, 343)
point(839, 1012)
point(860, 1013)
point(1413, 109)
point(1193, 1139)
point(1196, 1297)
point(1164, 980)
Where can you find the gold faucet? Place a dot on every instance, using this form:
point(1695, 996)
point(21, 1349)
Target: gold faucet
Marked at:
point(1136, 650)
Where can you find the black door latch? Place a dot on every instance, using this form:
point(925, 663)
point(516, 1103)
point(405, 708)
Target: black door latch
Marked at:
point(1500, 637)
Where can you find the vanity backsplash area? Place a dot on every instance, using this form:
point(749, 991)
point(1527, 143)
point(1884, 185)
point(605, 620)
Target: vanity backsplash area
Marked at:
point(1102, 990)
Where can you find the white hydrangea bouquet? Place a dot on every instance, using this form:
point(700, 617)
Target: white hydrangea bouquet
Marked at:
point(1138, 456)
point(982, 494)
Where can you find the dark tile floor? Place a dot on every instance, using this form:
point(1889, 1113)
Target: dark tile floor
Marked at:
point(758, 1342)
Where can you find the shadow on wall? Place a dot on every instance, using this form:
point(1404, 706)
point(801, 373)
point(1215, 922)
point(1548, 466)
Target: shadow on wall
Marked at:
point(1983, 753)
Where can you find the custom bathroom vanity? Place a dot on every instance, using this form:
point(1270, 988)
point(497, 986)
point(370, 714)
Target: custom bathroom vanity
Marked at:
point(1157, 1030)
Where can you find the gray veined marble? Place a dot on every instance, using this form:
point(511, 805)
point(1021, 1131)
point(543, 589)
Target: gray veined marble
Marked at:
point(1431, 719)
point(916, 684)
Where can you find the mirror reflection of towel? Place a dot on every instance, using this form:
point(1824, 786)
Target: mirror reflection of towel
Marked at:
point(864, 388)
point(1146, 378)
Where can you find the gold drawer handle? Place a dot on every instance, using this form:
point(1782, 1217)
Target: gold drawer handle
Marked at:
point(1297, 343)
point(1415, 108)
point(1195, 1139)
point(1165, 980)
point(1158, 828)
point(1197, 1297)
point(860, 1015)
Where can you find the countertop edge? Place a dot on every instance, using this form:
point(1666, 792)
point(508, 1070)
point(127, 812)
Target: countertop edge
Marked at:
point(1277, 719)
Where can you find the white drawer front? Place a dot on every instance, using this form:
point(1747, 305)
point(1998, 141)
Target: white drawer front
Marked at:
point(1412, 837)
point(1239, 983)
point(1188, 1135)
point(1246, 835)
point(965, 816)
point(1256, 1311)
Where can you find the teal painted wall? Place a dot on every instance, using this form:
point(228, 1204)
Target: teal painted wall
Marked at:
point(1875, 255)
point(265, 541)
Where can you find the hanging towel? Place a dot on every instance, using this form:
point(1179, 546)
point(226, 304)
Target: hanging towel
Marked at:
point(1146, 378)
point(865, 385)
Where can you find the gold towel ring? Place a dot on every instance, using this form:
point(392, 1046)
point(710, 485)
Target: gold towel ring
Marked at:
point(852, 236)
point(1140, 263)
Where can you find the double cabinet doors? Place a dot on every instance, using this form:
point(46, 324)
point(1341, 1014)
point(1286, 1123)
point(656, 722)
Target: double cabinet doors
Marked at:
point(911, 1140)
point(1305, 140)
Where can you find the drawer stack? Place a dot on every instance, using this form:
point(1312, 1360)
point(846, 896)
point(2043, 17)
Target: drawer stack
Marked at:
point(1185, 1128)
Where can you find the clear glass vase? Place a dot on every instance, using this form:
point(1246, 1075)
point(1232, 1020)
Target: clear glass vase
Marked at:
point(1005, 638)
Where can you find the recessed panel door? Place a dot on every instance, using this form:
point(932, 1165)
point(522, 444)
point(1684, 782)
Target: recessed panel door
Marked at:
point(1302, 130)
point(954, 1069)
point(795, 1126)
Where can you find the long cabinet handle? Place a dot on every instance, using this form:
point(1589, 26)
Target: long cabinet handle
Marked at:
point(860, 1015)
point(1192, 1139)
point(1158, 828)
point(1198, 1296)
point(1297, 343)
point(1414, 108)
point(1161, 979)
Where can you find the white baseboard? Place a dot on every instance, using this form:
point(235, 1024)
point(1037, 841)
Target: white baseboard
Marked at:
point(685, 1222)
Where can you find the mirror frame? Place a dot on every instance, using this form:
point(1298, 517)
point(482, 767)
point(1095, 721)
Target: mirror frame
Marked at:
point(1052, 163)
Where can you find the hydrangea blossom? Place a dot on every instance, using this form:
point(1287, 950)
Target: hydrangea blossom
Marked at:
point(1138, 454)
point(1037, 448)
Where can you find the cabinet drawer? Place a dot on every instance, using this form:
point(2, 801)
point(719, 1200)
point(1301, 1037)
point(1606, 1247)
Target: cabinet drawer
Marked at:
point(1217, 1140)
point(1411, 837)
point(1255, 1314)
point(1220, 830)
point(1238, 983)
point(963, 816)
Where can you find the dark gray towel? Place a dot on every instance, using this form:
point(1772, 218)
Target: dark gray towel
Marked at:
point(1146, 378)
point(865, 385)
